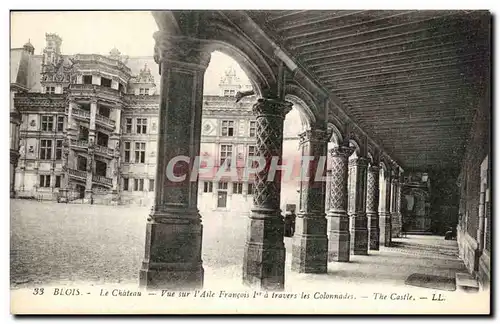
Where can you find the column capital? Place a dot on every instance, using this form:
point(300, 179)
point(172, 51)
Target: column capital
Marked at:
point(341, 151)
point(273, 107)
point(359, 162)
point(314, 135)
point(182, 49)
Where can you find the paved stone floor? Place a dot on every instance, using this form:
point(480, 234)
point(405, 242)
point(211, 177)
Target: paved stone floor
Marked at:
point(58, 243)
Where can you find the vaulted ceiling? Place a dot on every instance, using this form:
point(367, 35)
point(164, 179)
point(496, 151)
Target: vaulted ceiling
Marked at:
point(410, 79)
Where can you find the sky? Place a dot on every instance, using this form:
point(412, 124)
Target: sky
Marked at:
point(98, 32)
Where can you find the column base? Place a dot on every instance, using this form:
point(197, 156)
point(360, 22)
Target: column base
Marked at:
point(264, 260)
point(396, 226)
point(385, 229)
point(359, 233)
point(339, 237)
point(115, 198)
point(374, 231)
point(310, 254)
point(63, 195)
point(88, 199)
point(173, 252)
point(170, 276)
point(310, 244)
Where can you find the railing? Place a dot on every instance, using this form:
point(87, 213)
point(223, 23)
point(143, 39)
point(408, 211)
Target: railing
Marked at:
point(94, 87)
point(104, 120)
point(79, 143)
point(102, 180)
point(101, 58)
point(78, 173)
point(104, 150)
point(81, 113)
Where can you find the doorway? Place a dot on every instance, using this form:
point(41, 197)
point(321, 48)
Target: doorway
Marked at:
point(221, 199)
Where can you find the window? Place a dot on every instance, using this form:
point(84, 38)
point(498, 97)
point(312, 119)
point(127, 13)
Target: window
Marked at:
point(125, 184)
point(128, 125)
point(252, 151)
point(44, 181)
point(250, 188)
point(105, 82)
point(45, 149)
point(222, 185)
point(87, 79)
point(253, 128)
point(59, 149)
point(228, 93)
point(226, 152)
point(47, 123)
point(138, 184)
point(58, 182)
point(227, 128)
point(141, 125)
point(141, 91)
point(50, 90)
point(126, 152)
point(60, 123)
point(237, 188)
point(208, 186)
point(146, 91)
point(120, 87)
point(151, 184)
point(140, 152)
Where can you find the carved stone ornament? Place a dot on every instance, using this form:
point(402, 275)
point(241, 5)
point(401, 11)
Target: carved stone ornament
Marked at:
point(182, 49)
point(32, 123)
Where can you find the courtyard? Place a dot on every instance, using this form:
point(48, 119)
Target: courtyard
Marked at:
point(101, 245)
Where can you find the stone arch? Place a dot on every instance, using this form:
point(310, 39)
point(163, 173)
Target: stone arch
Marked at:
point(337, 137)
point(358, 141)
point(260, 70)
point(357, 148)
point(217, 35)
point(306, 104)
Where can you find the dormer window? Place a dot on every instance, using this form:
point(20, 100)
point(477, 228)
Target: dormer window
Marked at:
point(50, 90)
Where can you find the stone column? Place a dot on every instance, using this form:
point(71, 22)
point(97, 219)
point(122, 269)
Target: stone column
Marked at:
point(385, 212)
point(359, 224)
point(394, 216)
point(399, 197)
point(264, 261)
point(115, 162)
point(172, 258)
point(339, 236)
point(88, 183)
point(93, 112)
point(372, 193)
point(310, 242)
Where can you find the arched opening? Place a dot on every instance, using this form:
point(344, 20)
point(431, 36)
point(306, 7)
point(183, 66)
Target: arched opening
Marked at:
point(228, 139)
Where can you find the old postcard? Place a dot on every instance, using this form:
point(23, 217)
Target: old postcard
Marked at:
point(250, 162)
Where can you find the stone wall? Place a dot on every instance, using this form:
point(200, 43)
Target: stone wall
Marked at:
point(476, 257)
